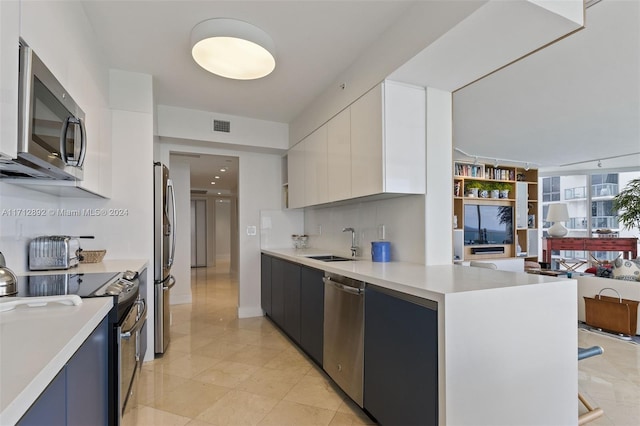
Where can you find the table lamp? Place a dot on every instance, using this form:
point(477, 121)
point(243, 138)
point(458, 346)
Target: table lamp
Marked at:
point(557, 213)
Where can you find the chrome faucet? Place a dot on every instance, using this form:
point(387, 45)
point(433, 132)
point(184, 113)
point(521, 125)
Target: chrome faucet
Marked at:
point(354, 248)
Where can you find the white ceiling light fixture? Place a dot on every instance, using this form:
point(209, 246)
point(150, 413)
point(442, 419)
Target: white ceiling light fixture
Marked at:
point(233, 49)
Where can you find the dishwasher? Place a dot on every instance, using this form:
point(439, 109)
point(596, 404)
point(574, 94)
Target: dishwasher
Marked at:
point(344, 333)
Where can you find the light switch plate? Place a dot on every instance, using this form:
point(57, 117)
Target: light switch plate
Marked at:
point(251, 230)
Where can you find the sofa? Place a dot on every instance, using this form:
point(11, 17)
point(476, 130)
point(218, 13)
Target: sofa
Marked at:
point(624, 279)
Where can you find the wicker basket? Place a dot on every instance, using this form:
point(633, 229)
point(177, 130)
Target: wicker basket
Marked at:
point(92, 256)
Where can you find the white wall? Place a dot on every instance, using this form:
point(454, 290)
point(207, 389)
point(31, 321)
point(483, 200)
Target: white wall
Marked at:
point(402, 217)
point(174, 122)
point(223, 229)
point(439, 197)
point(180, 172)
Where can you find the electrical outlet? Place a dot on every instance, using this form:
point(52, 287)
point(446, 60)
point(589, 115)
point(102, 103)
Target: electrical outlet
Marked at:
point(319, 231)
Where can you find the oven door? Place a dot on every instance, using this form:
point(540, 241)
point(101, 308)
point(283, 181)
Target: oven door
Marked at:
point(51, 124)
point(130, 357)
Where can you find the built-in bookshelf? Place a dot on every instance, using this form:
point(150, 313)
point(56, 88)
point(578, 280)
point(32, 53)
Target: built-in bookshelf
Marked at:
point(495, 211)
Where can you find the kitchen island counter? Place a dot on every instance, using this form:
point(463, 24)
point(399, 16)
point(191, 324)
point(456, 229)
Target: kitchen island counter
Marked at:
point(35, 344)
point(427, 282)
point(506, 341)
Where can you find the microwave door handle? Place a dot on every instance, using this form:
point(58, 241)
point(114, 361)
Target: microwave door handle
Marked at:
point(83, 143)
point(63, 142)
point(173, 222)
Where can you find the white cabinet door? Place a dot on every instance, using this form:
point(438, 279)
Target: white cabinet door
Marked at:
point(404, 138)
point(295, 168)
point(315, 164)
point(9, 34)
point(366, 144)
point(339, 156)
point(522, 191)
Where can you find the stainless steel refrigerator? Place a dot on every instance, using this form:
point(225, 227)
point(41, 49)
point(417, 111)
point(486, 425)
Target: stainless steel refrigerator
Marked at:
point(164, 221)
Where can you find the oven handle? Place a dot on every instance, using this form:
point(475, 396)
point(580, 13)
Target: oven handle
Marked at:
point(139, 323)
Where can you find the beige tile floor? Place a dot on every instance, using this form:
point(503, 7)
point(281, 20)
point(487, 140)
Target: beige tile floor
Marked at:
point(221, 370)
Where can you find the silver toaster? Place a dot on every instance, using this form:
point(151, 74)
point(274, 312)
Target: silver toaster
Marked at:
point(54, 252)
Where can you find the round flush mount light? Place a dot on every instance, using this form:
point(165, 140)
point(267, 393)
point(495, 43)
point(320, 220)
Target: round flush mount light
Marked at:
point(232, 49)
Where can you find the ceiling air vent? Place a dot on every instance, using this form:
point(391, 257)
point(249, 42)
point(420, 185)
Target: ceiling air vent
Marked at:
point(221, 126)
point(199, 192)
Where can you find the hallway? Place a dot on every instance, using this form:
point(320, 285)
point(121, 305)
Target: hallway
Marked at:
point(221, 370)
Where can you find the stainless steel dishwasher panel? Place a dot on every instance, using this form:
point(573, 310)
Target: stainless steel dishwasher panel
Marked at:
point(344, 334)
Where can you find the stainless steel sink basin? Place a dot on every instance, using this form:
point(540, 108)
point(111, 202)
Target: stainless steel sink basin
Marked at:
point(330, 258)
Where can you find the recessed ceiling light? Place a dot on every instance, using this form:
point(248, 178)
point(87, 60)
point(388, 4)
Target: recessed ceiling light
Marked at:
point(213, 183)
point(216, 177)
point(232, 49)
point(223, 170)
point(219, 193)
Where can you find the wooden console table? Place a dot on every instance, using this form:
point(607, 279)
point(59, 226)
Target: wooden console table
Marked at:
point(628, 246)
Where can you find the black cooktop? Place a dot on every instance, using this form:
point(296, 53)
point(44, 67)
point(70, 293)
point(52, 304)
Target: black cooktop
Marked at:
point(84, 285)
point(100, 284)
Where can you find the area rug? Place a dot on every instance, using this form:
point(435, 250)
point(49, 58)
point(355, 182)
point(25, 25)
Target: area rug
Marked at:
point(631, 339)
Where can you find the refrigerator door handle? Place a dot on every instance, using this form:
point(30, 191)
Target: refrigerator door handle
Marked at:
point(172, 282)
point(173, 222)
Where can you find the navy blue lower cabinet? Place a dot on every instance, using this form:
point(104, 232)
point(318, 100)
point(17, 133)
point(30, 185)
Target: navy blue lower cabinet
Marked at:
point(79, 393)
point(277, 291)
point(265, 283)
point(400, 358)
point(312, 312)
point(87, 380)
point(50, 408)
point(292, 301)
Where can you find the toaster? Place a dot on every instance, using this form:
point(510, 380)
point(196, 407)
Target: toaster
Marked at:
point(54, 252)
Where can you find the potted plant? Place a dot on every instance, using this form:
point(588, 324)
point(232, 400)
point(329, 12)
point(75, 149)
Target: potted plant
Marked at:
point(627, 205)
point(472, 187)
point(504, 189)
point(494, 188)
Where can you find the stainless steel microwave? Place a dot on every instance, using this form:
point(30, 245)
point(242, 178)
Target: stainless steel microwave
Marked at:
point(51, 133)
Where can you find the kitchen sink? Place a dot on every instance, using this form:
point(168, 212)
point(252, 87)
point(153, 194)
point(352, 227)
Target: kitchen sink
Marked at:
point(330, 258)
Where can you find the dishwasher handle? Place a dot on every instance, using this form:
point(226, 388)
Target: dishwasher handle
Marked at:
point(342, 287)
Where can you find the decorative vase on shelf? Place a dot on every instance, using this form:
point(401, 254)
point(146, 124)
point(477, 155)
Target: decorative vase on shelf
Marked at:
point(495, 193)
point(504, 193)
point(472, 192)
point(483, 193)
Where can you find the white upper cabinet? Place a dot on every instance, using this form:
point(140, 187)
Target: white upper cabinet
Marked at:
point(339, 156)
point(295, 171)
point(315, 167)
point(374, 146)
point(367, 144)
point(388, 141)
point(9, 34)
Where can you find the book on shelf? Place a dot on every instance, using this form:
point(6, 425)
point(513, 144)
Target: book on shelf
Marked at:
point(469, 170)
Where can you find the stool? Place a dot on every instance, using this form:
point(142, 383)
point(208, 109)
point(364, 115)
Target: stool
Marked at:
point(592, 413)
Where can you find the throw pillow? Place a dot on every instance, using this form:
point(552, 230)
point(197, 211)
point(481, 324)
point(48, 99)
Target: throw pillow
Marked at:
point(627, 270)
point(604, 272)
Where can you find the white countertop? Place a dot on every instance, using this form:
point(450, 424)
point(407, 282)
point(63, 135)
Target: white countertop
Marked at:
point(35, 343)
point(428, 282)
point(107, 265)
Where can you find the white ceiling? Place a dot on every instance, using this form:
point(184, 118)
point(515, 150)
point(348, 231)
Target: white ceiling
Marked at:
point(576, 100)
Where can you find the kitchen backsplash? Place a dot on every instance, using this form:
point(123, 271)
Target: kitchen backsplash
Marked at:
point(402, 217)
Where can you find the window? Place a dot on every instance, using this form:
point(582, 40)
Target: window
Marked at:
point(551, 189)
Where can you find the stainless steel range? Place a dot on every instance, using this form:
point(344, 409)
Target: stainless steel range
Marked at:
point(127, 320)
